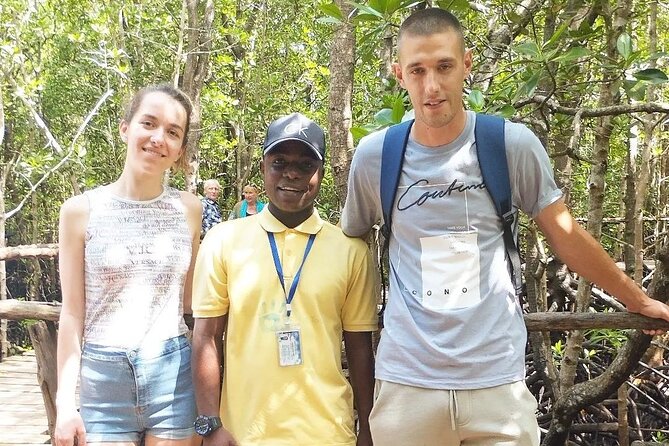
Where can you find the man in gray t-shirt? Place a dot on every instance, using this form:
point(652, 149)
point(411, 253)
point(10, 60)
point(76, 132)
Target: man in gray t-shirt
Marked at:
point(453, 345)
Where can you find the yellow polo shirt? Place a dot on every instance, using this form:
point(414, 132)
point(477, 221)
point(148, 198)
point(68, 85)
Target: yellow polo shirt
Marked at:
point(263, 403)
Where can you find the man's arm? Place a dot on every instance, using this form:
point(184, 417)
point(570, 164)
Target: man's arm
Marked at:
point(206, 364)
point(585, 256)
point(361, 372)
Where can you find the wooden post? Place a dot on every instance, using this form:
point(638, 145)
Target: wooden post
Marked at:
point(44, 339)
point(623, 425)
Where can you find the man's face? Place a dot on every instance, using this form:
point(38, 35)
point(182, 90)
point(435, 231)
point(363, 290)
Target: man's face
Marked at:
point(292, 176)
point(433, 69)
point(212, 191)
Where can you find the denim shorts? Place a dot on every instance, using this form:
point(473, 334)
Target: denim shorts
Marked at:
point(125, 394)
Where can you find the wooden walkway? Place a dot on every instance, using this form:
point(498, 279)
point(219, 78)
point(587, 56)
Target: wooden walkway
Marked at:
point(22, 415)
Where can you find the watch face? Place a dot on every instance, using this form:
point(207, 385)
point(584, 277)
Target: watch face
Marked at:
point(202, 426)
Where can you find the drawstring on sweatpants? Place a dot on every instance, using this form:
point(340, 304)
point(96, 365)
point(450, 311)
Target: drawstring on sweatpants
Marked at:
point(453, 403)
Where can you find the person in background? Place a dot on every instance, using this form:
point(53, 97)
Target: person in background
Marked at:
point(284, 286)
point(250, 205)
point(126, 257)
point(211, 213)
point(450, 365)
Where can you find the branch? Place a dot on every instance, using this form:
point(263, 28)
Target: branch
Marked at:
point(42, 125)
point(18, 252)
point(563, 321)
point(612, 110)
point(17, 310)
point(63, 160)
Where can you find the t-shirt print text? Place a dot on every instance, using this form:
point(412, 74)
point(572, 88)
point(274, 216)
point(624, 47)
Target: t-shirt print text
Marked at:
point(408, 197)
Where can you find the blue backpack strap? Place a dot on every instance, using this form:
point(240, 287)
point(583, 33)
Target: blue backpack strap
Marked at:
point(491, 152)
point(394, 146)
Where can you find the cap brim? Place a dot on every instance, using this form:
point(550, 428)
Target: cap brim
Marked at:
point(305, 143)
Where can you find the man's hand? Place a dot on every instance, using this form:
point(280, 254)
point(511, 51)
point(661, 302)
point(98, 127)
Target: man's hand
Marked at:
point(220, 437)
point(364, 438)
point(655, 309)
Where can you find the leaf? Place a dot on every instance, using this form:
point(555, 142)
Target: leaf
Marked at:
point(531, 84)
point(328, 20)
point(367, 10)
point(387, 7)
point(527, 89)
point(454, 5)
point(384, 116)
point(528, 49)
point(507, 111)
point(359, 18)
point(476, 100)
point(556, 35)
point(652, 75)
point(359, 132)
point(392, 6)
point(331, 10)
point(573, 54)
point(624, 45)
point(398, 110)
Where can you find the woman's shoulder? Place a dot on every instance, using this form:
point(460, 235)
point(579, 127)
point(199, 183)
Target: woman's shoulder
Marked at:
point(190, 201)
point(74, 215)
point(77, 205)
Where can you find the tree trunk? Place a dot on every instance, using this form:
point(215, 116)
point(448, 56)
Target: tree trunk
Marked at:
point(243, 150)
point(342, 59)
point(616, 20)
point(4, 343)
point(4, 171)
point(649, 141)
point(195, 74)
point(535, 281)
point(43, 337)
point(33, 267)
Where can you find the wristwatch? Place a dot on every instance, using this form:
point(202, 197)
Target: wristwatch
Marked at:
point(205, 425)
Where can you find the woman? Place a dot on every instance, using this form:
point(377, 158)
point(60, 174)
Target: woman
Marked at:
point(250, 205)
point(127, 252)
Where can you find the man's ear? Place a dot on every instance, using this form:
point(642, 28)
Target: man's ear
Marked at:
point(468, 62)
point(397, 71)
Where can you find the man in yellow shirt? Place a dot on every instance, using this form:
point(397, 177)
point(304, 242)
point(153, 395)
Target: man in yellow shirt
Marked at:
point(283, 285)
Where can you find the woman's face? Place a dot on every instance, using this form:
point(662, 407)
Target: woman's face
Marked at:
point(155, 134)
point(250, 195)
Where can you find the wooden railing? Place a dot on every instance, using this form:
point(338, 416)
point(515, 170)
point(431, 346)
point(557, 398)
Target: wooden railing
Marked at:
point(43, 332)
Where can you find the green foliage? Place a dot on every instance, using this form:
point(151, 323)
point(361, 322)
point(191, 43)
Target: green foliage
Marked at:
point(607, 337)
point(558, 350)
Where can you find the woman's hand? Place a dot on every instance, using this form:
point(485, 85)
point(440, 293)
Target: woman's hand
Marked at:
point(70, 430)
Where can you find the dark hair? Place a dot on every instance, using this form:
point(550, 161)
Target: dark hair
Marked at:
point(426, 22)
point(182, 98)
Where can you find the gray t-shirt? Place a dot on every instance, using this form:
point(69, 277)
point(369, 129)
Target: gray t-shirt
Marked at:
point(452, 320)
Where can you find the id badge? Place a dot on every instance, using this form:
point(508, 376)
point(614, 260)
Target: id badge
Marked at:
point(290, 346)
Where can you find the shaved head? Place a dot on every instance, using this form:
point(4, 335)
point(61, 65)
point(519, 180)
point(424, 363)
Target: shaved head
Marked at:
point(429, 21)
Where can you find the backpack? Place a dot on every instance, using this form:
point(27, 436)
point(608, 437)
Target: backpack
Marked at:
point(491, 152)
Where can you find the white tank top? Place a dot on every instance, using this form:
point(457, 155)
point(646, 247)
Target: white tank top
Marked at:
point(136, 257)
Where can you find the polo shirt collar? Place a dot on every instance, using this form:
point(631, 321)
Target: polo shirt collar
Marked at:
point(269, 223)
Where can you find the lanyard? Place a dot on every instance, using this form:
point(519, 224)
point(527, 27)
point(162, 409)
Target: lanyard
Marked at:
point(279, 270)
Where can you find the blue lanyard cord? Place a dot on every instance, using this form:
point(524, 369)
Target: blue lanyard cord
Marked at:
point(279, 270)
